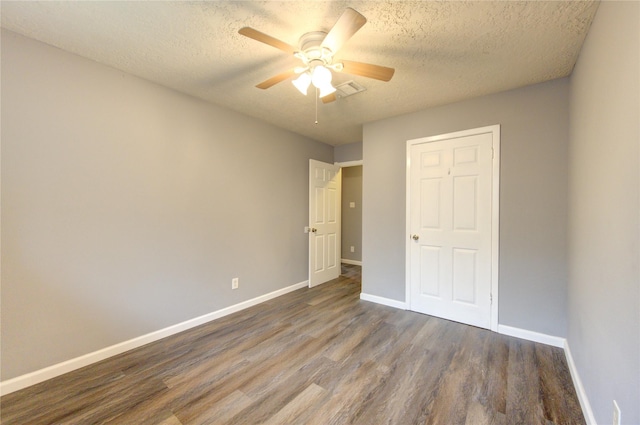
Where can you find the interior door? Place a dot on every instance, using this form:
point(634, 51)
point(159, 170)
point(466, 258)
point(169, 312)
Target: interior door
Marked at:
point(450, 227)
point(325, 183)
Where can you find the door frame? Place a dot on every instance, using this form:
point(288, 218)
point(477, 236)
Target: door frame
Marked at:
point(347, 164)
point(341, 165)
point(495, 210)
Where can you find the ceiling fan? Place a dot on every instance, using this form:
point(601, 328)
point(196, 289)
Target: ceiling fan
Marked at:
point(316, 51)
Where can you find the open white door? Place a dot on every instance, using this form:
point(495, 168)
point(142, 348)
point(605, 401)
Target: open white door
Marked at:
point(325, 183)
point(452, 226)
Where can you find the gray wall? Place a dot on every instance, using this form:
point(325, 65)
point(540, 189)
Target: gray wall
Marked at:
point(127, 207)
point(352, 217)
point(349, 152)
point(534, 136)
point(604, 213)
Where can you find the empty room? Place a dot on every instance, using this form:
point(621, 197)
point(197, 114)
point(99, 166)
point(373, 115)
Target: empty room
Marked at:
point(451, 234)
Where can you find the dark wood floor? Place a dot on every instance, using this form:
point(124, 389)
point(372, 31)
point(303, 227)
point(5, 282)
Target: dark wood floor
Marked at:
point(314, 356)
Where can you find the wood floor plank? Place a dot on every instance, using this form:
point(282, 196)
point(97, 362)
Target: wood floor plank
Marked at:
point(353, 335)
point(479, 414)
point(70, 388)
point(282, 393)
point(314, 356)
point(463, 373)
point(300, 408)
point(219, 412)
point(143, 413)
point(493, 392)
point(273, 374)
point(407, 389)
point(401, 337)
point(171, 420)
point(350, 394)
point(524, 404)
point(111, 403)
point(555, 385)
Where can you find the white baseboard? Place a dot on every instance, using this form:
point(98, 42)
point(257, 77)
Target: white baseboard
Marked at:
point(554, 341)
point(352, 262)
point(384, 301)
point(577, 383)
point(41, 375)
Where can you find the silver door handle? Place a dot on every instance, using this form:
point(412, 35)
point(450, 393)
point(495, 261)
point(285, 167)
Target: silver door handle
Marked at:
point(415, 237)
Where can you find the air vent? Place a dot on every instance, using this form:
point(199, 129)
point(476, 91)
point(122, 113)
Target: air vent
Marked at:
point(349, 88)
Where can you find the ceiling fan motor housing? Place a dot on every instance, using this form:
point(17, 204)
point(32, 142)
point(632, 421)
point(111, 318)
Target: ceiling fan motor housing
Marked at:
point(311, 48)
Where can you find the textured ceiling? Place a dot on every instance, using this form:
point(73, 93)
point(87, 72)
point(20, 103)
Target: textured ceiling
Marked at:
point(442, 51)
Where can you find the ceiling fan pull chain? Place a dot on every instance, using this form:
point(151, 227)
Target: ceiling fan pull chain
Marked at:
point(316, 105)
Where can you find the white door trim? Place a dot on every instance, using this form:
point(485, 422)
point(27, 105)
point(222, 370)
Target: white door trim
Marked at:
point(495, 211)
point(349, 163)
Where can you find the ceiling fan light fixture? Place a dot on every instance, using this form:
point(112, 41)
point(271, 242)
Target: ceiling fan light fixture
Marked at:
point(326, 90)
point(321, 79)
point(302, 83)
point(321, 76)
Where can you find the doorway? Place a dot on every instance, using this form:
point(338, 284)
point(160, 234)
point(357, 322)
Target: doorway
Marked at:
point(352, 215)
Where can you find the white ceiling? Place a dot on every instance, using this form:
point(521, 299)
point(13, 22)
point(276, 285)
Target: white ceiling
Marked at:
point(443, 51)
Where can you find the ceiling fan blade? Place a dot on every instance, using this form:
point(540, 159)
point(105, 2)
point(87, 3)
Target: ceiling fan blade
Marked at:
point(348, 24)
point(377, 72)
point(276, 79)
point(266, 39)
point(329, 98)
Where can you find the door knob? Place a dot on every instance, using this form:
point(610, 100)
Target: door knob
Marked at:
point(415, 237)
point(313, 230)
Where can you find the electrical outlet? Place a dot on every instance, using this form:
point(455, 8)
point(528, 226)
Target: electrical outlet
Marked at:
point(234, 283)
point(353, 249)
point(616, 414)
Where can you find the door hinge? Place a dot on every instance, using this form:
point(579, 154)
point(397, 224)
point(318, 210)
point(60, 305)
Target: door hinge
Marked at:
point(490, 298)
point(493, 153)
